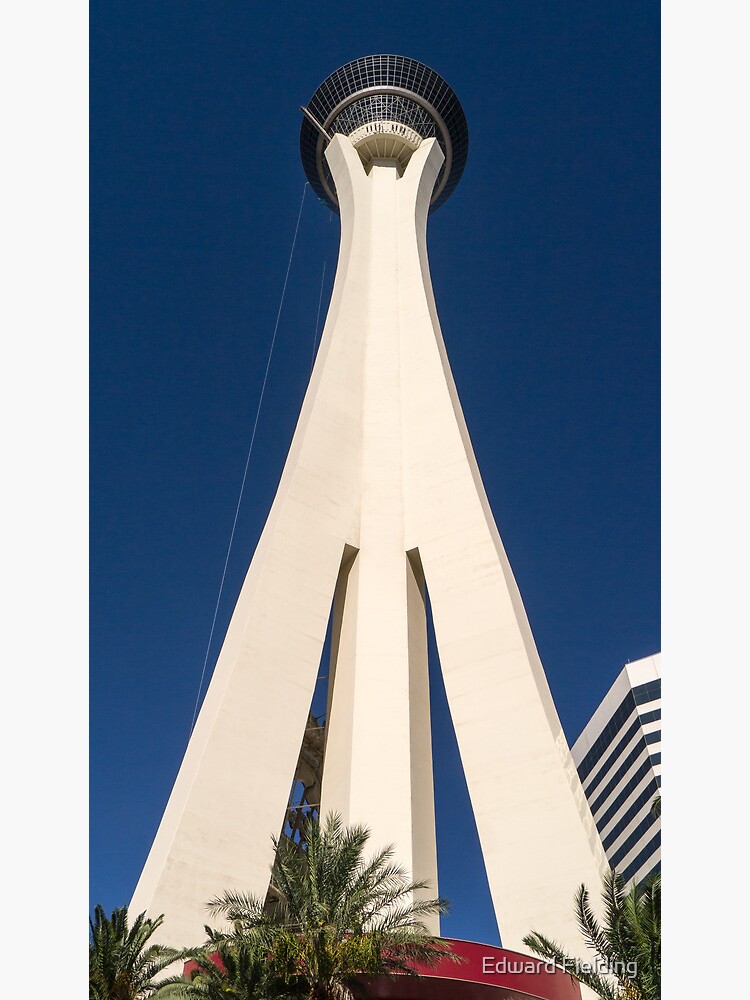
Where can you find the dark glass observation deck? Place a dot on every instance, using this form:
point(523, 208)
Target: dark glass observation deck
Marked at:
point(381, 96)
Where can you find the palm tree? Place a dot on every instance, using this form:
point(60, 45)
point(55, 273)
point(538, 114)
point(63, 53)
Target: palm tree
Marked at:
point(627, 944)
point(122, 964)
point(340, 919)
point(230, 970)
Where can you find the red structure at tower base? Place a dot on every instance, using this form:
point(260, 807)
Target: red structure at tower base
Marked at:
point(485, 972)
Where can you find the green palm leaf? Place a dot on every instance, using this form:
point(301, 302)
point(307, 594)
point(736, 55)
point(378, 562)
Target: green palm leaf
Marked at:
point(123, 965)
point(341, 919)
point(626, 943)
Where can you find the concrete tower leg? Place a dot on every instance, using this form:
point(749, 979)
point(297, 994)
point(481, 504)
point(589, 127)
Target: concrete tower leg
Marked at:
point(538, 838)
point(421, 491)
point(231, 791)
point(378, 767)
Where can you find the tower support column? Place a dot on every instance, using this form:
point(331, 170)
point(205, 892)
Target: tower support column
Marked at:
point(378, 766)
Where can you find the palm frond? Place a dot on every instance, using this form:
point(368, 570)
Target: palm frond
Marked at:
point(551, 950)
point(123, 963)
point(342, 916)
point(627, 941)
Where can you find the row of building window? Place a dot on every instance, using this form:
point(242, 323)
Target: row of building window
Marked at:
point(619, 774)
point(640, 860)
point(644, 798)
point(651, 716)
point(649, 691)
point(628, 788)
point(633, 729)
point(632, 839)
point(639, 695)
point(376, 71)
point(619, 717)
point(654, 871)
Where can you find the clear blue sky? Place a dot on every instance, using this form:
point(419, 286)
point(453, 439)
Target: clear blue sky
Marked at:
point(545, 263)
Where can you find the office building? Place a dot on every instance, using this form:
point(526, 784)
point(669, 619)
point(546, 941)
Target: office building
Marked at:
point(618, 756)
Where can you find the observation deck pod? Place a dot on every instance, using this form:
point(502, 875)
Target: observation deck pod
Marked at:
point(387, 105)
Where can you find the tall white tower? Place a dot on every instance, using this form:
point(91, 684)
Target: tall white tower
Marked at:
point(380, 498)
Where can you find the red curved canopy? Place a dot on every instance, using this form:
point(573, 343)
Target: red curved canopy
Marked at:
point(486, 973)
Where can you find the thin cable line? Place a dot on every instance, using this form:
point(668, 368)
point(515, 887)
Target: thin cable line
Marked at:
point(247, 461)
point(317, 318)
point(320, 299)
